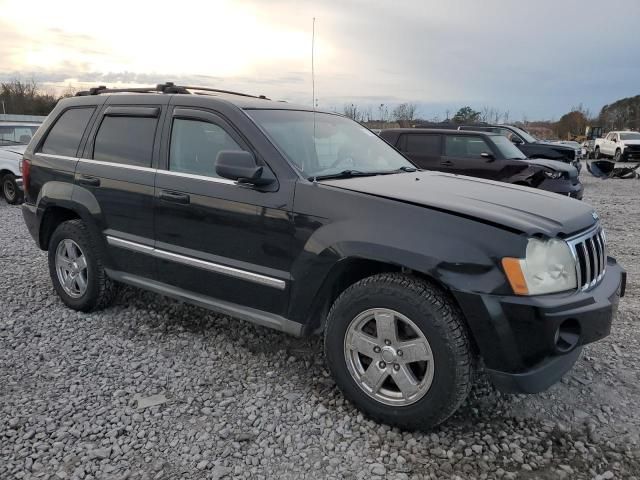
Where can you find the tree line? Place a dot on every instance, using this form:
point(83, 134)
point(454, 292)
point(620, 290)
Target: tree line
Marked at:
point(28, 98)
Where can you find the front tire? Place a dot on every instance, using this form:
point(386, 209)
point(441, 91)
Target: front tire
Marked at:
point(398, 348)
point(10, 190)
point(618, 156)
point(76, 268)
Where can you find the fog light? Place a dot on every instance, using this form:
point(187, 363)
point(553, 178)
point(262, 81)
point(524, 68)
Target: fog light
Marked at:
point(567, 335)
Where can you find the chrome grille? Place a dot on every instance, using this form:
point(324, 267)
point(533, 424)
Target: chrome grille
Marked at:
point(590, 253)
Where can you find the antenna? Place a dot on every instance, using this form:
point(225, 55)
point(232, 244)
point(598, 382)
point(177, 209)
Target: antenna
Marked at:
point(313, 72)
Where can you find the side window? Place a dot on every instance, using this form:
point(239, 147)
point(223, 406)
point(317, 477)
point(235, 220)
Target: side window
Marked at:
point(65, 135)
point(195, 146)
point(424, 144)
point(465, 146)
point(126, 140)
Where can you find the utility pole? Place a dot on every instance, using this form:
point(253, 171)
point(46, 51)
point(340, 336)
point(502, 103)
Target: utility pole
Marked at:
point(4, 112)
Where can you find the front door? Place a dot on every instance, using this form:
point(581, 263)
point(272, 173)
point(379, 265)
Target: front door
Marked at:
point(471, 155)
point(227, 241)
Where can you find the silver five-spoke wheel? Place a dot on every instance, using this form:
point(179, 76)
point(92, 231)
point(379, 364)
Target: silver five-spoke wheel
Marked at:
point(71, 267)
point(389, 357)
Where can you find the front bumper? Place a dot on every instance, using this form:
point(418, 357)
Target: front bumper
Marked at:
point(19, 183)
point(518, 336)
point(563, 187)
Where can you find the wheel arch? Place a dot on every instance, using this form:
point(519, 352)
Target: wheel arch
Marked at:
point(349, 271)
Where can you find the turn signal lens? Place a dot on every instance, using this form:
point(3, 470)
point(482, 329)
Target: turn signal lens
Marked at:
point(513, 270)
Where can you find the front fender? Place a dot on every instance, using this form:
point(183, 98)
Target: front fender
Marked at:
point(458, 253)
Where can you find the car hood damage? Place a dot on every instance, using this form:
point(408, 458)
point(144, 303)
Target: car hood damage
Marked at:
point(514, 207)
point(569, 170)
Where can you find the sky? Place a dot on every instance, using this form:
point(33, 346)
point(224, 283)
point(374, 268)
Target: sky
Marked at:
point(533, 59)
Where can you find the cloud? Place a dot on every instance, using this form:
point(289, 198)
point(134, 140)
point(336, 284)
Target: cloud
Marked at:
point(537, 58)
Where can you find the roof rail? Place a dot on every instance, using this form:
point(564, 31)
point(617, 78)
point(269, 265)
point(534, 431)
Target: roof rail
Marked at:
point(167, 87)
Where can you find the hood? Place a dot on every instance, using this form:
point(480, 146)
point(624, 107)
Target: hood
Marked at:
point(631, 142)
point(514, 207)
point(17, 149)
point(567, 168)
point(558, 146)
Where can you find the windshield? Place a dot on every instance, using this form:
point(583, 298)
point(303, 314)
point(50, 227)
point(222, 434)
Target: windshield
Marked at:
point(527, 136)
point(508, 149)
point(630, 136)
point(329, 145)
point(16, 134)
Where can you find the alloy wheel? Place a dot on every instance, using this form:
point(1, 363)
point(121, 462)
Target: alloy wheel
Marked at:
point(389, 357)
point(9, 190)
point(71, 267)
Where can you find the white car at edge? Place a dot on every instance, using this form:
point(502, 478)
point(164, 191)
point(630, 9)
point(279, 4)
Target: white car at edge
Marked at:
point(621, 146)
point(14, 138)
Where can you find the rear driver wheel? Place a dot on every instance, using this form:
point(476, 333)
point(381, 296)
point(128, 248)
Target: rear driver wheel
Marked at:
point(76, 268)
point(398, 348)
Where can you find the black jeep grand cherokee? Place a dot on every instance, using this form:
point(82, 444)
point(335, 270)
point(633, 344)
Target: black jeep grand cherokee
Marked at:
point(307, 222)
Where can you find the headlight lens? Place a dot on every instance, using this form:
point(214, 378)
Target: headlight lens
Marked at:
point(552, 174)
point(548, 267)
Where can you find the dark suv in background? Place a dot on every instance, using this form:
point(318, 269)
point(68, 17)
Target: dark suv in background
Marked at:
point(307, 222)
point(484, 155)
point(531, 146)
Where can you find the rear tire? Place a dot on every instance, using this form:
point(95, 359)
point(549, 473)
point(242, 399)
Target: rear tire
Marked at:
point(420, 318)
point(76, 268)
point(10, 190)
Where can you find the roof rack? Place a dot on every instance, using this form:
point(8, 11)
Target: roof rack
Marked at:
point(167, 87)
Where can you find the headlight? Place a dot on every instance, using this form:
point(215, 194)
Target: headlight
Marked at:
point(548, 267)
point(552, 174)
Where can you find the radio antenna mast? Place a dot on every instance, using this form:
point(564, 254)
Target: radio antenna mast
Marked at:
point(313, 73)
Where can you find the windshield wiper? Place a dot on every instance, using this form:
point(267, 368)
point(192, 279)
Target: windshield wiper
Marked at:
point(343, 174)
point(13, 142)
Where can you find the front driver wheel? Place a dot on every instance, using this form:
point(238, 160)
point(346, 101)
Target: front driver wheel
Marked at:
point(398, 349)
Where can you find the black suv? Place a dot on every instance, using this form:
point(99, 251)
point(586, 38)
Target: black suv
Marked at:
point(483, 155)
point(531, 146)
point(308, 223)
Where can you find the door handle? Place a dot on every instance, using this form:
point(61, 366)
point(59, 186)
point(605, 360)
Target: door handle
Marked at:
point(88, 180)
point(446, 163)
point(174, 197)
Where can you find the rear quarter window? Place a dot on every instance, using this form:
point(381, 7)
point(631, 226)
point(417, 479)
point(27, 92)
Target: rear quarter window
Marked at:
point(125, 140)
point(426, 144)
point(66, 133)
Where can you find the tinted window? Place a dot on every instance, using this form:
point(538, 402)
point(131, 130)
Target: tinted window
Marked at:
point(195, 146)
point(424, 144)
point(465, 146)
point(64, 138)
point(127, 140)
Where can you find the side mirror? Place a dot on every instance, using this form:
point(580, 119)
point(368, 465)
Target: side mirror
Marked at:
point(516, 140)
point(241, 166)
point(488, 156)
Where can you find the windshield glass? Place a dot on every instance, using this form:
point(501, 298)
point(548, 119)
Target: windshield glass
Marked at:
point(16, 134)
point(527, 136)
point(329, 145)
point(508, 149)
point(630, 136)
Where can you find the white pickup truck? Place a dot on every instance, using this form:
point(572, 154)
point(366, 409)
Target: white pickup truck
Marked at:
point(622, 146)
point(14, 137)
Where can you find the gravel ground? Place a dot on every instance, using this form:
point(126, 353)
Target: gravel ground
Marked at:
point(238, 401)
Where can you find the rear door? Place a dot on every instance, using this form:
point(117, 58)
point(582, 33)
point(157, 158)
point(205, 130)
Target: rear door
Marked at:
point(463, 154)
point(116, 175)
point(424, 149)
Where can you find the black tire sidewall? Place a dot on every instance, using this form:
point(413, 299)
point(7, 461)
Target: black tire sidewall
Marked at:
point(74, 230)
point(16, 198)
point(442, 393)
